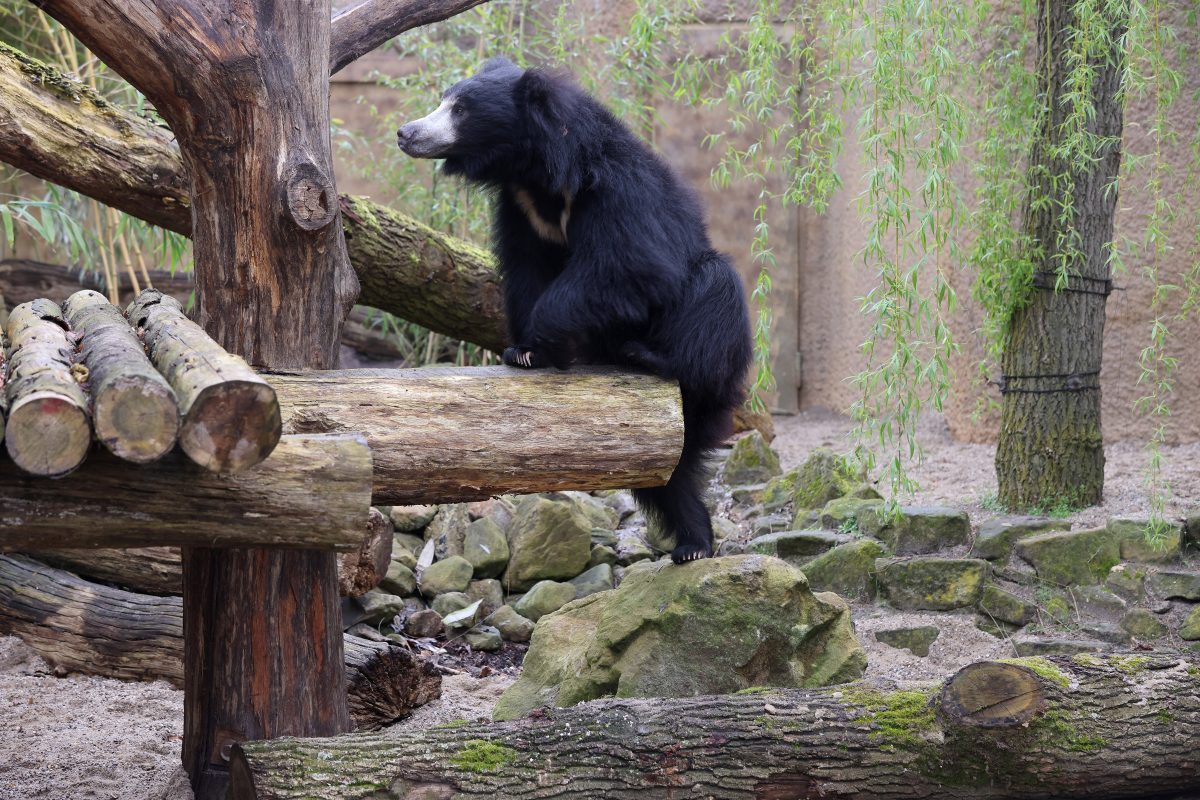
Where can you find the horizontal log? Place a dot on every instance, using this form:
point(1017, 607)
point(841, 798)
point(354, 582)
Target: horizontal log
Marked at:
point(22, 280)
point(82, 627)
point(1117, 726)
point(145, 570)
point(313, 492)
point(453, 434)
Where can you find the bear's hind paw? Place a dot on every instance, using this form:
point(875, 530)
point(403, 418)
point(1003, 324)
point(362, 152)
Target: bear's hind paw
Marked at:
point(690, 552)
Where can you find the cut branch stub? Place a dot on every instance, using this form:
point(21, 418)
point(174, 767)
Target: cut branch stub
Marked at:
point(230, 415)
point(134, 412)
point(48, 432)
point(311, 199)
point(992, 694)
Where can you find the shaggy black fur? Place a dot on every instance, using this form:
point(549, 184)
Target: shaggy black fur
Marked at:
point(605, 258)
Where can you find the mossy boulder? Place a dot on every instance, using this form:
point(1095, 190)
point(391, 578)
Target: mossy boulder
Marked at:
point(1174, 585)
point(916, 639)
point(512, 626)
point(399, 580)
point(1189, 631)
point(485, 638)
point(848, 569)
point(446, 604)
point(544, 598)
point(409, 519)
point(824, 476)
point(406, 542)
point(490, 591)
point(997, 604)
point(844, 513)
point(486, 546)
point(597, 579)
point(1142, 624)
point(1067, 557)
point(380, 606)
point(771, 523)
point(448, 529)
point(996, 537)
point(547, 540)
point(1147, 542)
point(1098, 601)
point(931, 584)
point(594, 508)
point(1127, 580)
point(751, 461)
point(602, 554)
point(918, 529)
point(797, 547)
point(709, 627)
point(452, 574)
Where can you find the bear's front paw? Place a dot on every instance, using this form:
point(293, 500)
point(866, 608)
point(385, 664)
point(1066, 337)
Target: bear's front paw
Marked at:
point(521, 357)
point(553, 353)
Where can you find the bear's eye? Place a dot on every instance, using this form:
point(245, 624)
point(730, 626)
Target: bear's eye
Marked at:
point(457, 110)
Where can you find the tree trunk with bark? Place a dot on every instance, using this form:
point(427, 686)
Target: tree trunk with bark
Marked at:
point(1088, 727)
point(1050, 445)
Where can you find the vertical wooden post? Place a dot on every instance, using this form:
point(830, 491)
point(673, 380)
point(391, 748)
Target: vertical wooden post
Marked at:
point(244, 85)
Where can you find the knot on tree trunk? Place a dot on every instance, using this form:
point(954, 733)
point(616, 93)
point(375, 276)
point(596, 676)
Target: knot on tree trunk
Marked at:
point(310, 200)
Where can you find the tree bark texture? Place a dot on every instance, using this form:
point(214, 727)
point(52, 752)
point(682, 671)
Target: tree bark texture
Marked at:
point(230, 416)
point(1050, 444)
point(361, 570)
point(48, 432)
point(53, 128)
point(134, 413)
point(314, 491)
point(87, 628)
point(454, 434)
point(145, 570)
point(360, 28)
point(1110, 732)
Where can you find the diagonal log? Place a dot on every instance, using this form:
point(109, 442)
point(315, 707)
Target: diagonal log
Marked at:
point(361, 28)
point(1100, 727)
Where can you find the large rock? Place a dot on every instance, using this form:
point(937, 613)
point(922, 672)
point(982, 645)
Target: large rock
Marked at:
point(918, 529)
point(1190, 630)
point(450, 575)
point(996, 537)
point(848, 569)
point(1000, 605)
point(544, 598)
point(1174, 584)
point(751, 461)
point(708, 627)
point(1144, 625)
point(597, 579)
point(490, 591)
point(547, 540)
point(797, 547)
point(1083, 557)
point(409, 519)
point(486, 547)
point(823, 477)
point(512, 626)
point(1146, 541)
point(448, 530)
point(931, 584)
point(594, 508)
point(399, 580)
point(844, 513)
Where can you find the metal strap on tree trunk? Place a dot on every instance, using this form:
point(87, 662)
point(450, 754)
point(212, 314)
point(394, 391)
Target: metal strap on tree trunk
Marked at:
point(1071, 382)
point(1048, 281)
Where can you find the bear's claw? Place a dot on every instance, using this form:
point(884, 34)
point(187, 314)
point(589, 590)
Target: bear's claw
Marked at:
point(690, 552)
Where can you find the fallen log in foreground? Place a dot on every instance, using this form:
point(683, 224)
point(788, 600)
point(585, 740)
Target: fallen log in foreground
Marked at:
point(1084, 727)
point(451, 434)
point(87, 628)
point(313, 492)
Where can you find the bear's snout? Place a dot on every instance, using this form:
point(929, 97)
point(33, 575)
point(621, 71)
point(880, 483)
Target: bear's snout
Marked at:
point(405, 136)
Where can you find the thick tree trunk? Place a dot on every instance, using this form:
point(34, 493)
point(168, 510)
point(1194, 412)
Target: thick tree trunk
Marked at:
point(91, 629)
point(1094, 727)
point(134, 413)
point(48, 432)
point(314, 491)
point(145, 570)
point(453, 434)
point(1050, 445)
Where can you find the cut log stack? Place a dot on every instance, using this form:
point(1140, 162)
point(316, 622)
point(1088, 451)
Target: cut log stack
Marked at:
point(138, 383)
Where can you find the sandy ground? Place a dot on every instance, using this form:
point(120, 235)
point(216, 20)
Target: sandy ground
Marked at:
point(81, 738)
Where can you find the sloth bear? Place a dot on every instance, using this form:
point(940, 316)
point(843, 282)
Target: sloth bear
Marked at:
point(604, 257)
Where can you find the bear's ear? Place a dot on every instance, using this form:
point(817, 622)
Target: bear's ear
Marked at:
point(545, 101)
point(499, 62)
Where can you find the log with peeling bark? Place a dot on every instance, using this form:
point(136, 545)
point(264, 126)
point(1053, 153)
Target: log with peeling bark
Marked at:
point(48, 432)
point(87, 628)
point(1103, 726)
point(313, 492)
point(361, 570)
point(230, 416)
point(453, 434)
point(134, 413)
point(146, 570)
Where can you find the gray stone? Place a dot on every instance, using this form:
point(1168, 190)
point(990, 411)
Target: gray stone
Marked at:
point(997, 536)
point(1190, 630)
point(1006, 607)
point(1128, 580)
point(1109, 632)
point(599, 514)
point(931, 584)
point(408, 543)
point(770, 523)
point(544, 598)
point(380, 606)
point(547, 540)
point(848, 569)
point(449, 575)
point(597, 579)
point(918, 529)
point(1147, 542)
point(914, 639)
point(806, 519)
point(1141, 624)
point(399, 580)
point(747, 495)
point(1098, 600)
point(724, 529)
point(424, 624)
point(751, 461)
point(844, 513)
point(486, 547)
point(448, 530)
point(403, 556)
point(603, 536)
point(451, 602)
point(490, 591)
point(1174, 585)
point(1048, 646)
point(797, 547)
point(633, 549)
point(622, 503)
point(409, 519)
point(1081, 557)
point(484, 638)
point(995, 627)
point(602, 554)
point(730, 547)
point(364, 631)
point(512, 626)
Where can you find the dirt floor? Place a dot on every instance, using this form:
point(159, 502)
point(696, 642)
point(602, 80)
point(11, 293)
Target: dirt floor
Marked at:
point(81, 738)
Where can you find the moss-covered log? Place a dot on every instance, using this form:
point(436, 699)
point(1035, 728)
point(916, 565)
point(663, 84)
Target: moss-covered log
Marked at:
point(57, 129)
point(314, 492)
point(451, 434)
point(1110, 727)
point(230, 416)
point(87, 628)
point(134, 413)
point(48, 432)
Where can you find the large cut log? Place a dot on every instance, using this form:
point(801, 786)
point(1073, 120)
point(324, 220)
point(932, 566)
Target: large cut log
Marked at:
point(47, 432)
point(1116, 726)
point(452, 434)
point(230, 414)
point(91, 629)
point(130, 163)
point(314, 491)
point(134, 413)
point(22, 280)
point(146, 570)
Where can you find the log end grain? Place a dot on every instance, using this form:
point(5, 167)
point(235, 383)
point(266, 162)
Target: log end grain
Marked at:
point(48, 434)
point(232, 426)
point(992, 694)
point(137, 419)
